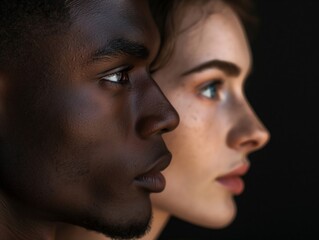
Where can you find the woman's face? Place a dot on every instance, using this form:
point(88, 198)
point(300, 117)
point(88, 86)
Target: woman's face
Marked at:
point(204, 81)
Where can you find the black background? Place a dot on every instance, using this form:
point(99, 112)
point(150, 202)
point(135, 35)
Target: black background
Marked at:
point(281, 196)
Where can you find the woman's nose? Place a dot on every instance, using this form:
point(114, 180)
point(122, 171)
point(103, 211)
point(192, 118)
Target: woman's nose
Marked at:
point(248, 133)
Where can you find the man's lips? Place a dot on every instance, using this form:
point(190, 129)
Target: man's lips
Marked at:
point(153, 180)
point(233, 180)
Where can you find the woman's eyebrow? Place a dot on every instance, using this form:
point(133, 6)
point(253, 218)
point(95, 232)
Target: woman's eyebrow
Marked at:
point(229, 68)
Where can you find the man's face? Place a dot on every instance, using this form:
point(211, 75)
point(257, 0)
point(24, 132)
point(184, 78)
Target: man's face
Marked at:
point(83, 121)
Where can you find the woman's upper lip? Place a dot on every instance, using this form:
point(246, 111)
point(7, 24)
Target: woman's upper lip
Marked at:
point(239, 171)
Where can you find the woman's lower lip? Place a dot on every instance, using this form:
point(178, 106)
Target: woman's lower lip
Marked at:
point(234, 184)
point(153, 182)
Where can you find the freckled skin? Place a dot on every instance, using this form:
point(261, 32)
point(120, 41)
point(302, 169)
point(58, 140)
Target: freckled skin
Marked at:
point(73, 146)
point(216, 132)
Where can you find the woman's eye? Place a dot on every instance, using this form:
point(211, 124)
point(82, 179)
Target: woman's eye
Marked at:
point(211, 90)
point(118, 77)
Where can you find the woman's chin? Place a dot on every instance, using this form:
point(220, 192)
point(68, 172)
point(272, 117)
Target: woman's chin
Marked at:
point(216, 218)
point(221, 222)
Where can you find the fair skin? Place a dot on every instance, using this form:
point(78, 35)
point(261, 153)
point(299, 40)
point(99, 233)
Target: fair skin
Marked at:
point(204, 81)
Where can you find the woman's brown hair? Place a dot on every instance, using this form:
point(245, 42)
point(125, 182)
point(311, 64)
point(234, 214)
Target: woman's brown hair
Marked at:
point(169, 13)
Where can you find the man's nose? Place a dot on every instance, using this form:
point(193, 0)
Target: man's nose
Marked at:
point(158, 115)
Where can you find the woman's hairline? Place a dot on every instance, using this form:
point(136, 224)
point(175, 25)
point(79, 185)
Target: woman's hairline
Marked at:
point(176, 13)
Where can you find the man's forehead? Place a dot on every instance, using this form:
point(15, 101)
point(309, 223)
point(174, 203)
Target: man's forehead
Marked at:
point(95, 24)
point(108, 19)
point(114, 11)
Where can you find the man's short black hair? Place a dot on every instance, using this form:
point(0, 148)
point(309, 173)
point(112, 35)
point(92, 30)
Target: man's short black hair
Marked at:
point(22, 22)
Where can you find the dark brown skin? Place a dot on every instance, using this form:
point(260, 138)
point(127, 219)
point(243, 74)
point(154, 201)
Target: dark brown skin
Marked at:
point(72, 140)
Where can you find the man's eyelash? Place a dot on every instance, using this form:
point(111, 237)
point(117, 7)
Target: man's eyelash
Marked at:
point(119, 77)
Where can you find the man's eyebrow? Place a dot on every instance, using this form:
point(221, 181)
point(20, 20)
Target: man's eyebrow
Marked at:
point(120, 46)
point(229, 68)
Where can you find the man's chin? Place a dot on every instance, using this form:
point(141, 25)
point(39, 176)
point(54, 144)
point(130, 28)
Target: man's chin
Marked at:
point(128, 230)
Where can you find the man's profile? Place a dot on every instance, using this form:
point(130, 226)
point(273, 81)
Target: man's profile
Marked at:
point(80, 118)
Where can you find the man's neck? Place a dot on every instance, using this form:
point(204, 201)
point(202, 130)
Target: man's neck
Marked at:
point(160, 219)
point(16, 222)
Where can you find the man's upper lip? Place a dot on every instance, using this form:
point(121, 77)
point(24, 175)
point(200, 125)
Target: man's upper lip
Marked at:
point(239, 171)
point(159, 165)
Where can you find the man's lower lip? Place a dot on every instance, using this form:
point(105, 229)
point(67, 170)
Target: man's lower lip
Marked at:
point(234, 184)
point(153, 182)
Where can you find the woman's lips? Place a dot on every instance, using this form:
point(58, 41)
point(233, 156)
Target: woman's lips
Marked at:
point(233, 180)
point(153, 180)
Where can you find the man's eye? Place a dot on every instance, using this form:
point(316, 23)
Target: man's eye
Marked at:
point(118, 77)
point(211, 90)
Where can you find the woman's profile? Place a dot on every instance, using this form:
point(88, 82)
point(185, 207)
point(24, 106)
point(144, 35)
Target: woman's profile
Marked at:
point(203, 76)
point(202, 68)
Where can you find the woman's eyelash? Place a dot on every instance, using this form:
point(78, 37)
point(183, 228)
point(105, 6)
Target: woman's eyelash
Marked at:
point(211, 90)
